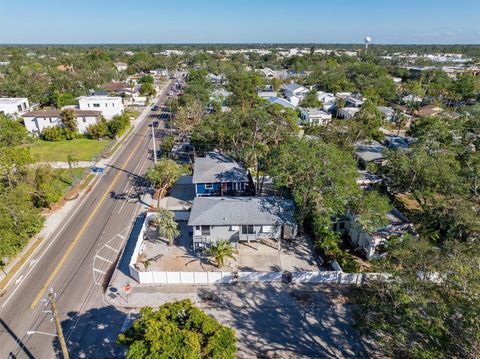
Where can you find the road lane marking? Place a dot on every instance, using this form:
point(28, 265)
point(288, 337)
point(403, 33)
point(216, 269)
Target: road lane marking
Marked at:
point(104, 259)
point(32, 266)
point(99, 271)
point(111, 248)
point(84, 227)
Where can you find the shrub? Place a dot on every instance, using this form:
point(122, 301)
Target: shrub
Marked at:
point(56, 134)
point(98, 130)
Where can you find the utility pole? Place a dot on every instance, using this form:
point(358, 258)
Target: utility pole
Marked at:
point(154, 149)
point(56, 318)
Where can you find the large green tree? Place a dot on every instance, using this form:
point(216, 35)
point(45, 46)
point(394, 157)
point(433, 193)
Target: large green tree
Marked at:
point(430, 306)
point(178, 330)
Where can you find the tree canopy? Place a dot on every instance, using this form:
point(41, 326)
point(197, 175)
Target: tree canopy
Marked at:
point(178, 330)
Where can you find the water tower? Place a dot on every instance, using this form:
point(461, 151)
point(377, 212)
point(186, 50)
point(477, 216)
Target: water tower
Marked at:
point(367, 40)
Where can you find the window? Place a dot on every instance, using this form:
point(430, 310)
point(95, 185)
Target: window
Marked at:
point(95, 105)
point(50, 119)
point(248, 229)
point(84, 119)
point(205, 230)
point(113, 105)
point(266, 229)
point(88, 104)
point(208, 185)
point(106, 104)
point(19, 108)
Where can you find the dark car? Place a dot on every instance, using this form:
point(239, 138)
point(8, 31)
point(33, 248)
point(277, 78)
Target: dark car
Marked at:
point(155, 108)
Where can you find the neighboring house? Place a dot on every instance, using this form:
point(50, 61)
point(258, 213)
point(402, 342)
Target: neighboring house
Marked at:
point(372, 243)
point(274, 74)
point(239, 219)
point(369, 152)
point(347, 113)
point(36, 121)
point(327, 99)
point(109, 106)
point(367, 180)
point(315, 116)
point(13, 106)
point(429, 110)
point(351, 100)
point(121, 66)
point(216, 174)
point(295, 93)
point(267, 94)
point(398, 142)
point(220, 95)
point(388, 113)
point(159, 72)
point(281, 102)
point(117, 87)
point(217, 79)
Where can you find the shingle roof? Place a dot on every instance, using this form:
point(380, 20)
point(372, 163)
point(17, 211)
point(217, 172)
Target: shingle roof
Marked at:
point(293, 87)
point(369, 150)
point(218, 167)
point(230, 211)
point(280, 101)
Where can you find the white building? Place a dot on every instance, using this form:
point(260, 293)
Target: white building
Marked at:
point(36, 121)
point(295, 93)
point(13, 106)
point(347, 112)
point(315, 116)
point(121, 66)
point(327, 99)
point(109, 106)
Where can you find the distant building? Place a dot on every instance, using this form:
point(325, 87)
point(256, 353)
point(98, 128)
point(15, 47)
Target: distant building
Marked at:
point(347, 113)
point(429, 110)
point(281, 102)
point(387, 113)
point(295, 93)
point(109, 106)
point(315, 116)
point(372, 243)
point(369, 152)
point(159, 72)
point(37, 121)
point(13, 106)
point(121, 66)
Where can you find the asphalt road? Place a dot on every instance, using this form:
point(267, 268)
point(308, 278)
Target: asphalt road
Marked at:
point(76, 262)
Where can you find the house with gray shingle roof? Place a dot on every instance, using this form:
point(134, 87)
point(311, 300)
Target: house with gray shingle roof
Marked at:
point(217, 174)
point(240, 219)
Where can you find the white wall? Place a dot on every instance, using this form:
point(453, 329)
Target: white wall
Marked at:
point(14, 106)
point(110, 106)
point(35, 125)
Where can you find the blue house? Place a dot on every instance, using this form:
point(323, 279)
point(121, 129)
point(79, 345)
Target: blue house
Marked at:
point(219, 175)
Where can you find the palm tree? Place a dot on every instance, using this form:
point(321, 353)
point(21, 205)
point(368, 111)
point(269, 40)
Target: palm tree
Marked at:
point(221, 250)
point(167, 225)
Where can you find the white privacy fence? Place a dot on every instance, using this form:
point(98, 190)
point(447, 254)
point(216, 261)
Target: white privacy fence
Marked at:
point(167, 277)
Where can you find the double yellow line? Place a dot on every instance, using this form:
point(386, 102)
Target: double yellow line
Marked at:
point(84, 227)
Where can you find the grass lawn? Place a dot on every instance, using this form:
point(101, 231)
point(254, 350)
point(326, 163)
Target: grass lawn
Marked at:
point(66, 178)
point(80, 149)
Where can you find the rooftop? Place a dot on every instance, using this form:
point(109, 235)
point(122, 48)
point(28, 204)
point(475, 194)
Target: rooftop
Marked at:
point(218, 167)
point(240, 211)
point(312, 111)
point(95, 98)
point(369, 150)
point(280, 101)
point(57, 113)
point(11, 100)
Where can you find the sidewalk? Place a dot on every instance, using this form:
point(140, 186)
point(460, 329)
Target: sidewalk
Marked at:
point(54, 220)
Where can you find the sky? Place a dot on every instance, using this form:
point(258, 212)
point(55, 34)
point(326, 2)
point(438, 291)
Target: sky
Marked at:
point(239, 21)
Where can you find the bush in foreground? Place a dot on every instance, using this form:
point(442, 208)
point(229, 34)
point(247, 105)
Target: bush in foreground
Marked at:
point(178, 330)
